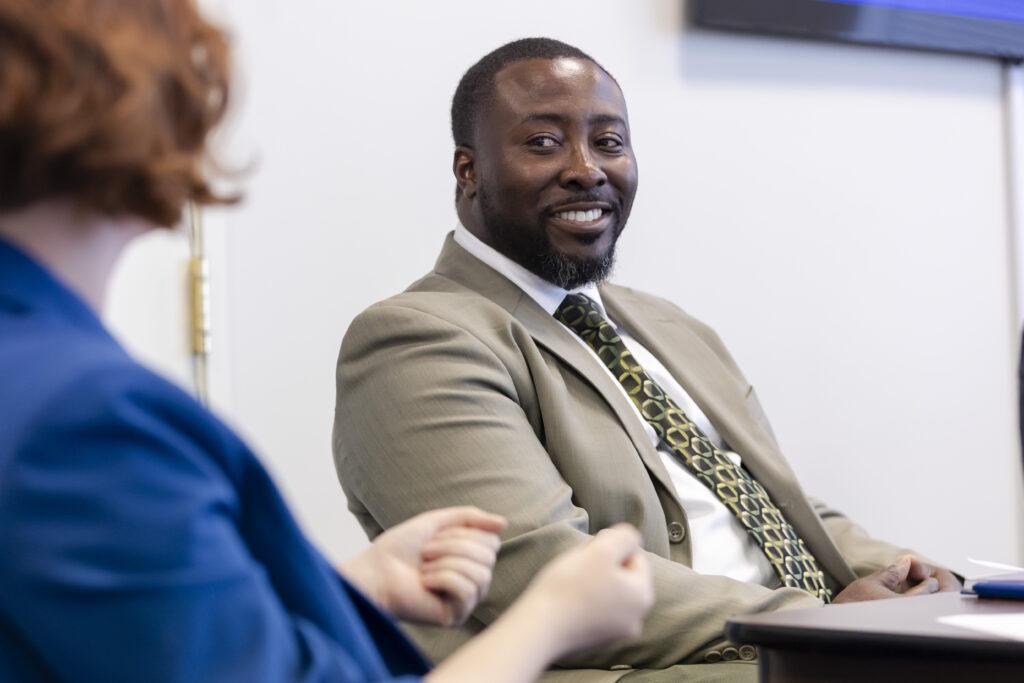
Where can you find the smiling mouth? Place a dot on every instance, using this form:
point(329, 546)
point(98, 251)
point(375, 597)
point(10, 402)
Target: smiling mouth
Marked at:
point(581, 217)
point(585, 226)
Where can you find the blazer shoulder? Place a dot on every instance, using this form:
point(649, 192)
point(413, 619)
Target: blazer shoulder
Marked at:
point(75, 360)
point(448, 302)
point(71, 378)
point(40, 363)
point(658, 306)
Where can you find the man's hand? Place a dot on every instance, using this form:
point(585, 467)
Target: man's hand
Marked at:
point(921, 572)
point(433, 568)
point(905, 577)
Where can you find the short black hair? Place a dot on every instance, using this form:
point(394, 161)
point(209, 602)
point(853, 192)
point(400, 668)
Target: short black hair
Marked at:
point(475, 88)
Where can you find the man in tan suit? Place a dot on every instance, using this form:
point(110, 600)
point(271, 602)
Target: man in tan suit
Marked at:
point(466, 389)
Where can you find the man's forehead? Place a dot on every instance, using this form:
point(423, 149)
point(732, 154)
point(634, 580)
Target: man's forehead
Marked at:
point(534, 83)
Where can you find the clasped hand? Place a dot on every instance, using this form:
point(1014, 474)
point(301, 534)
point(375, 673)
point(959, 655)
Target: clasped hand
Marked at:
point(431, 569)
point(436, 567)
point(905, 577)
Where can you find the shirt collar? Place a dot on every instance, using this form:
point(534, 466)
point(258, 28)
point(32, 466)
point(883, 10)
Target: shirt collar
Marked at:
point(548, 296)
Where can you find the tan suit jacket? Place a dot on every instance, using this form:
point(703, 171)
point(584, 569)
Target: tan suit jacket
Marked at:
point(462, 390)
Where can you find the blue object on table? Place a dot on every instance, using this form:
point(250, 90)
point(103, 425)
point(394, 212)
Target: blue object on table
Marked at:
point(1013, 590)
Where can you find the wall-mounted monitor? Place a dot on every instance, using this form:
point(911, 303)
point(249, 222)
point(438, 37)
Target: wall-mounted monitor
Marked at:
point(983, 27)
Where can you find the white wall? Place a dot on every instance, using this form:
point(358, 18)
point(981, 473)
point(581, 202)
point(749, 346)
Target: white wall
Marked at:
point(837, 213)
point(147, 303)
point(149, 306)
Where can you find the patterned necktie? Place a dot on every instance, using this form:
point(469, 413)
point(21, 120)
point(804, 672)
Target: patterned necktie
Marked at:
point(733, 485)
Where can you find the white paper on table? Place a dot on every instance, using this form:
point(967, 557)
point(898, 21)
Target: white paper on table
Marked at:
point(1003, 625)
point(991, 568)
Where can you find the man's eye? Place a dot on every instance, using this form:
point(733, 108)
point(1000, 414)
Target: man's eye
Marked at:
point(609, 143)
point(542, 141)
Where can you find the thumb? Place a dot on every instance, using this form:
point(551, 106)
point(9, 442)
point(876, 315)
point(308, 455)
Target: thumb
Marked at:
point(896, 573)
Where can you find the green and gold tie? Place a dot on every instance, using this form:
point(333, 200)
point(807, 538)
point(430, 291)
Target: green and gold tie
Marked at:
point(733, 485)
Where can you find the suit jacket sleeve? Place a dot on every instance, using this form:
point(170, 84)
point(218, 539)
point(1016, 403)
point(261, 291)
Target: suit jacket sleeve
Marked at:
point(123, 555)
point(428, 414)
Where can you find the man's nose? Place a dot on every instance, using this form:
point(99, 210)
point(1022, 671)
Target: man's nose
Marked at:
point(582, 169)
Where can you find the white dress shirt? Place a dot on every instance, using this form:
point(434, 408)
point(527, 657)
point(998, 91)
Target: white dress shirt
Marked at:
point(719, 542)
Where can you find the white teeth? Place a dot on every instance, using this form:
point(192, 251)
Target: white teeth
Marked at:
point(580, 216)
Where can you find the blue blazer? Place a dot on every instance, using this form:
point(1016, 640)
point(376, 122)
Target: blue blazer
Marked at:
point(140, 539)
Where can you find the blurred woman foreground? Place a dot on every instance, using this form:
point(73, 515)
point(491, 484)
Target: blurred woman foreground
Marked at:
point(142, 540)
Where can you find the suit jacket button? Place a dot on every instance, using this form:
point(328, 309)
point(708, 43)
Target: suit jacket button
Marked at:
point(676, 532)
point(748, 652)
point(713, 656)
point(730, 653)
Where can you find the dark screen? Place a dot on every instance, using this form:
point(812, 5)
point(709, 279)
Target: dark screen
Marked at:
point(984, 27)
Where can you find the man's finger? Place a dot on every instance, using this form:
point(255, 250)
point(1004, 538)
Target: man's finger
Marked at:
point(896, 573)
point(926, 587)
point(919, 571)
point(947, 580)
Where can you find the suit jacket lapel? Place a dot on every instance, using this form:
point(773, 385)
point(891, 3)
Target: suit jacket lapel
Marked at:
point(458, 265)
point(701, 372)
point(696, 367)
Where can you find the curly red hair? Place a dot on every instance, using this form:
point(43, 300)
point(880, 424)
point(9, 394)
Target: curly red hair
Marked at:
point(109, 103)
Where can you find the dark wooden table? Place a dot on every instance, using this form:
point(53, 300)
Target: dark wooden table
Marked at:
point(881, 641)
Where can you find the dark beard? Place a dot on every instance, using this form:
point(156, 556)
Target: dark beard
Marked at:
point(570, 273)
point(532, 250)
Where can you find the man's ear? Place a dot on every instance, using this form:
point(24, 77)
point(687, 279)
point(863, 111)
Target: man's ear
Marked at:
point(464, 168)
